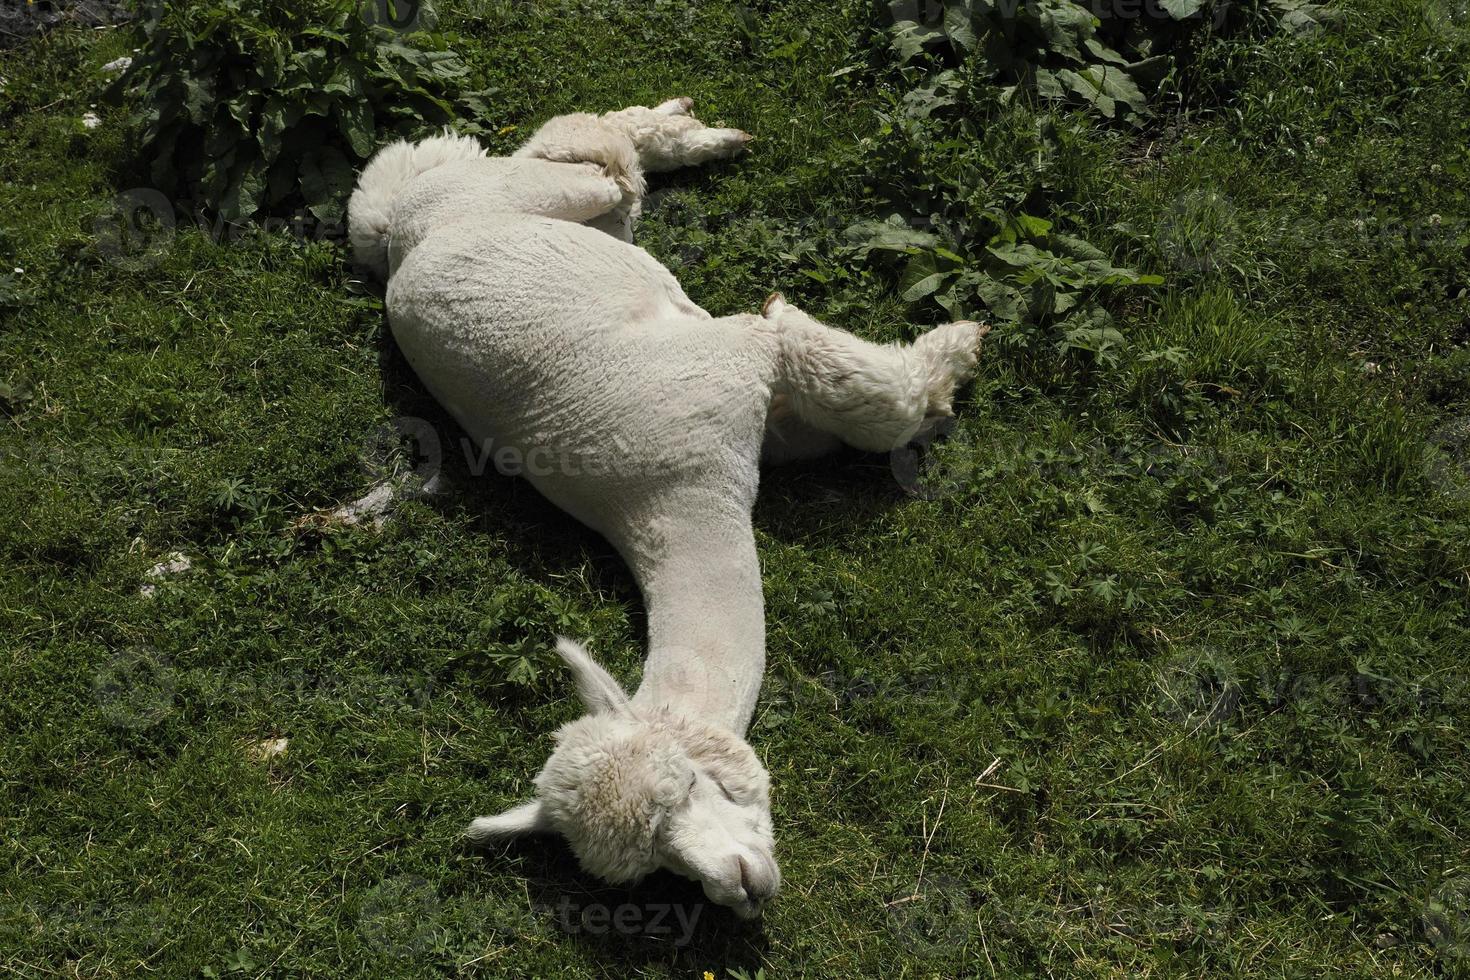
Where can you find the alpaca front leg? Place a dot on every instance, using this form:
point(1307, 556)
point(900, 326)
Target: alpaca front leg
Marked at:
point(872, 396)
point(669, 137)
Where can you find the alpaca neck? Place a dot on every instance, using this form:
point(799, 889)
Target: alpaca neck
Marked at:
point(706, 619)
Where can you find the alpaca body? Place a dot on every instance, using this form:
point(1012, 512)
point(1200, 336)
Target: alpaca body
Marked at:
point(646, 424)
point(517, 296)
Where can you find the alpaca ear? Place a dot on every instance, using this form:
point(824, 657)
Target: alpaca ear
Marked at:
point(525, 818)
point(596, 687)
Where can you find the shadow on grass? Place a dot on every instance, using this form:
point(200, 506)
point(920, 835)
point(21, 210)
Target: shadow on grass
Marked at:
point(822, 502)
point(663, 919)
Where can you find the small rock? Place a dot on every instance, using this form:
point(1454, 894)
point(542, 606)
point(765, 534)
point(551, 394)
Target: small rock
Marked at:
point(268, 748)
point(119, 64)
point(91, 120)
point(173, 563)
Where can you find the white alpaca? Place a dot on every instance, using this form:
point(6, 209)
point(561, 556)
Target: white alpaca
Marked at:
point(517, 296)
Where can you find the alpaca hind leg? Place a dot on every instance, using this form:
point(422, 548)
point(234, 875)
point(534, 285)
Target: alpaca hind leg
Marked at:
point(668, 137)
point(872, 396)
point(790, 439)
point(581, 137)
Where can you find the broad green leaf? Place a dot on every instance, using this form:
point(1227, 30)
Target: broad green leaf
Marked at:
point(1180, 9)
point(1002, 300)
point(270, 66)
point(215, 179)
point(1104, 87)
point(959, 25)
point(1020, 255)
point(1101, 52)
point(275, 119)
point(891, 235)
point(246, 191)
point(1077, 247)
point(910, 38)
point(924, 274)
point(355, 120)
point(925, 287)
point(198, 98)
point(951, 302)
point(326, 180)
point(1048, 85)
point(242, 110)
point(1150, 71)
point(1064, 25)
point(346, 79)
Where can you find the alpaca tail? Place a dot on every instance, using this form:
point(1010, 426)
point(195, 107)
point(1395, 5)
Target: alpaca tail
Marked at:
point(370, 211)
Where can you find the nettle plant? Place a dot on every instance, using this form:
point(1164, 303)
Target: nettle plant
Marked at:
point(1106, 54)
point(957, 232)
point(995, 257)
point(247, 108)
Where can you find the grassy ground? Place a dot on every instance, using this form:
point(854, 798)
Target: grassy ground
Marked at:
point(1161, 673)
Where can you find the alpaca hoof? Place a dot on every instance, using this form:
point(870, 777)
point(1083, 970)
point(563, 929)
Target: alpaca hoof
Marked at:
point(725, 143)
point(774, 305)
point(675, 107)
point(950, 354)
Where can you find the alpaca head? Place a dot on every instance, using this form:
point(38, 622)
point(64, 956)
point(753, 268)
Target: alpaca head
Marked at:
point(634, 790)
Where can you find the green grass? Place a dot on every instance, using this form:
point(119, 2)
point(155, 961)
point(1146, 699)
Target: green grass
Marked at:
point(1162, 674)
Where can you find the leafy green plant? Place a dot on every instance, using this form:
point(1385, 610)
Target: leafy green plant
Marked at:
point(976, 239)
point(1025, 271)
point(1059, 49)
point(247, 108)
